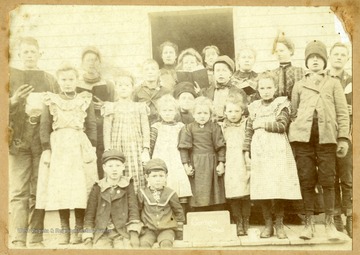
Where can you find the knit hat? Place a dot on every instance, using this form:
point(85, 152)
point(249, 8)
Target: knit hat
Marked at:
point(155, 164)
point(113, 154)
point(183, 87)
point(316, 47)
point(226, 60)
point(91, 49)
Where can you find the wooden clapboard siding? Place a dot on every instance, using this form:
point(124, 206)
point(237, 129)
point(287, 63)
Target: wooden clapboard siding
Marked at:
point(123, 33)
point(258, 27)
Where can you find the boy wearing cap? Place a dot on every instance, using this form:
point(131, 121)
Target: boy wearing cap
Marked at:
point(161, 211)
point(112, 216)
point(185, 94)
point(91, 80)
point(224, 68)
point(319, 132)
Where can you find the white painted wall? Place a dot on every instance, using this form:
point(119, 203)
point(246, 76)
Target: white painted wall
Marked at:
point(123, 33)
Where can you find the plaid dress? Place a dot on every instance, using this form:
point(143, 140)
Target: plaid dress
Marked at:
point(126, 128)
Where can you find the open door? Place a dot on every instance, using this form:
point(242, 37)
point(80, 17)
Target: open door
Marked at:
point(193, 29)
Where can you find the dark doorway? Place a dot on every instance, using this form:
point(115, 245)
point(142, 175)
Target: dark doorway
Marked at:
point(193, 29)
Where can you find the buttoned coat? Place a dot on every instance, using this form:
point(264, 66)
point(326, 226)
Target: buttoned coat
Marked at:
point(329, 101)
point(121, 207)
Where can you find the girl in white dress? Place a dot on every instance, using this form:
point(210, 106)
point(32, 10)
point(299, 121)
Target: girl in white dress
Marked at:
point(273, 167)
point(237, 174)
point(163, 143)
point(68, 167)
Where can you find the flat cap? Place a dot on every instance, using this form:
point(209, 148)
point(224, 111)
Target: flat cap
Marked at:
point(226, 60)
point(155, 164)
point(113, 154)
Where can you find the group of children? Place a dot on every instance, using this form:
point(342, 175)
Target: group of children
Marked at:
point(170, 148)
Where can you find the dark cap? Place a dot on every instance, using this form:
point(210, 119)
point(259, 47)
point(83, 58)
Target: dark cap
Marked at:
point(113, 154)
point(316, 47)
point(226, 60)
point(91, 49)
point(182, 87)
point(155, 164)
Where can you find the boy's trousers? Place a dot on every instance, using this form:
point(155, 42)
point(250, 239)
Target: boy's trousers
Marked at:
point(343, 183)
point(316, 165)
point(23, 175)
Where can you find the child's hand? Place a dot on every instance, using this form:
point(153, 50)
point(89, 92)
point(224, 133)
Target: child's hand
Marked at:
point(258, 124)
point(46, 157)
point(145, 156)
point(197, 87)
point(189, 170)
point(21, 93)
point(98, 105)
point(88, 242)
point(134, 239)
point(220, 169)
point(342, 148)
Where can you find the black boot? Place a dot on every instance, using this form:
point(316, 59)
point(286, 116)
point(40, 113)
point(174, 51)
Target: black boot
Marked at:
point(349, 225)
point(239, 226)
point(64, 236)
point(76, 234)
point(268, 231)
point(246, 225)
point(279, 227)
point(338, 223)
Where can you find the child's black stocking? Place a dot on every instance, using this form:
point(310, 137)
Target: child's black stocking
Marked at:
point(79, 218)
point(64, 218)
point(65, 226)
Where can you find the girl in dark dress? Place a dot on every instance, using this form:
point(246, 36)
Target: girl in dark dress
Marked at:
point(202, 150)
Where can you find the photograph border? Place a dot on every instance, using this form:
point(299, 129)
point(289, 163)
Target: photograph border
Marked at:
point(347, 11)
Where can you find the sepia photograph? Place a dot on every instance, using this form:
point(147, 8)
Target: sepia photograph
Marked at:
point(159, 127)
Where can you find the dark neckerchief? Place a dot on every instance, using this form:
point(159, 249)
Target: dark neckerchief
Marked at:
point(285, 65)
point(156, 193)
point(222, 86)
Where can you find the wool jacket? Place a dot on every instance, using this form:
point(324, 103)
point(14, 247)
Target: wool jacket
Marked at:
point(17, 116)
point(118, 206)
point(328, 100)
point(150, 97)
